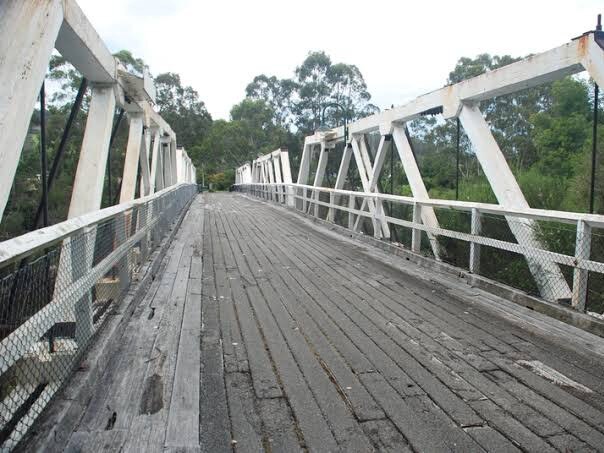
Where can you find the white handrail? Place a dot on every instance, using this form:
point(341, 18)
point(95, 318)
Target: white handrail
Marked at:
point(21, 246)
point(594, 220)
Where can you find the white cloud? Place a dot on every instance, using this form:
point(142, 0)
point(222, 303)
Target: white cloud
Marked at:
point(402, 48)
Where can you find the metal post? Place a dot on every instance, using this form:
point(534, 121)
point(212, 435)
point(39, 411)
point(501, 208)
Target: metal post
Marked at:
point(457, 161)
point(116, 127)
point(75, 108)
point(351, 205)
point(44, 200)
point(580, 276)
point(43, 155)
point(594, 141)
point(594, 149)
point(391, 180)
point(475, 230)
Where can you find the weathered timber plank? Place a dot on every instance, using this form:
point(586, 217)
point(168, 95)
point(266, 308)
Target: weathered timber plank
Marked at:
point(511, 427)
point(279, 425)
point(246, 423)
point(96, 441)
point(215, 426)
point(385, 437)
point(346, 429)
point(183, 418)
point(491, 440)
point(424, 425)
point(356, 360)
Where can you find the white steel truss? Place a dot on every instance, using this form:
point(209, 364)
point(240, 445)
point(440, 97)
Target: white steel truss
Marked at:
point(460, 100)
point(29, 31)
point(271, 168)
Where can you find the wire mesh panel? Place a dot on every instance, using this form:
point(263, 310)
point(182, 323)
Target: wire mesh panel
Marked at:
point(54, 300)
point(454, 251)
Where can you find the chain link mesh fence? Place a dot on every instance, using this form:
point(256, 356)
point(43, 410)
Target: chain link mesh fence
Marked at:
point(53, 302)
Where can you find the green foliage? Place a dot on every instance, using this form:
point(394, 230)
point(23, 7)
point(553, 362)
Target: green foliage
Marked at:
point(299, 102)
point(130, 62)
point(67, 77)
point(222, 180)
point(277, 94)
point(250, 132)
point(181, 107)
point(562, 132)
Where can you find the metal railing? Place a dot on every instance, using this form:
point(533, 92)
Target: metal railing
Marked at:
point(57, 286)
point(471, 235)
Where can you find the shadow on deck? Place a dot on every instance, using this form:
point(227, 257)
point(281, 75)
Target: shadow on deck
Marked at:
point(266, 332)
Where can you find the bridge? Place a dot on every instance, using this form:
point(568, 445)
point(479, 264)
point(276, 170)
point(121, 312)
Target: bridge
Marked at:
point(288, 316)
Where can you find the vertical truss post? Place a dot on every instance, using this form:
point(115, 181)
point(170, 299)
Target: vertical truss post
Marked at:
point(154, 236)
point(155, 156)
point(351, 205)
point(287, 176)
point(319, 175)
point(271, 178)
point(416, 234)
point(128, 188)
point(580, 276)
point(167, 162)
point(475, 230)
point(304, 172)
point(254, 171)
point(379, 216)
point(167, 170)
point(131, 162)
point(278, 177)
point(267, 173)
point(263, 177)
point(145, 186)
point(340, 180)
point(180, 156)
point(86, 197)
point(174, 177)
point(159, 174)
point(90, 174)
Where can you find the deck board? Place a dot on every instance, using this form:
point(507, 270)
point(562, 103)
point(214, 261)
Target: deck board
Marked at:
point(266, 332)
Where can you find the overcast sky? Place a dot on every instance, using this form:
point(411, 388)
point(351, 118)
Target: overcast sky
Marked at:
point(403, 48)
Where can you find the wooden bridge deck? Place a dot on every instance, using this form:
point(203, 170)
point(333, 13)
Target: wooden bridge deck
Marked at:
point(266, 332)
